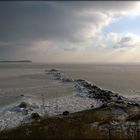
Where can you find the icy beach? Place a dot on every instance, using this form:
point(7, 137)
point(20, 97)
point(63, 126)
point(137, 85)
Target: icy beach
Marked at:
point(14, 115)
point(84, 95)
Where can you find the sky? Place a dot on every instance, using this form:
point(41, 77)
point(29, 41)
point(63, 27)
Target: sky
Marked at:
point(68, 32)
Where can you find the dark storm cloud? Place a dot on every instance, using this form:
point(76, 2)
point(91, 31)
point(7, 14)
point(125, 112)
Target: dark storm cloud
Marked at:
point(23, 23)
point(33, 21)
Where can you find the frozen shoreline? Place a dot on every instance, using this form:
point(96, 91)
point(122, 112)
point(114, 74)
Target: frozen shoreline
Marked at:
point(81, 99)
point(13, 115)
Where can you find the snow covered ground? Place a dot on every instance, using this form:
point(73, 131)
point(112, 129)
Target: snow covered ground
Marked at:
point(13, 115)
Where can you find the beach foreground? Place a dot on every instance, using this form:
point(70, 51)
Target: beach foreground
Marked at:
point(92, 113)
point(100, 123)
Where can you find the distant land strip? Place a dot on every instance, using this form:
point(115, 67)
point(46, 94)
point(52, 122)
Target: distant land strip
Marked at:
point(17, 61)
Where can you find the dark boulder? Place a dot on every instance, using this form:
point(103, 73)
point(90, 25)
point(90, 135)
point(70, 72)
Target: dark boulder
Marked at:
point(89, 86)
point(35, 116)
point(104, 105)
point(53, 70)
point(116, 95)
point(65, 113)
point(119, 98)
point(24, 105)
point(22, 95)
point(94, 87)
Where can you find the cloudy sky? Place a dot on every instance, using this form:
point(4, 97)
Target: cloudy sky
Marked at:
point(70, 31)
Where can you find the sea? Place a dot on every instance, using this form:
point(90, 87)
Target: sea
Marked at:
point(30, 79)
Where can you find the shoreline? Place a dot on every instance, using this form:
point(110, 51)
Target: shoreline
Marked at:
point(90, 90)
point(86, 96)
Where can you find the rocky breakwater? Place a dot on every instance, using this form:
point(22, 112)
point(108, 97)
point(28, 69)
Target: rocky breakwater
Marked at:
point(86, 88)
point(106, 96)
point(59, 76)
point(92, 91)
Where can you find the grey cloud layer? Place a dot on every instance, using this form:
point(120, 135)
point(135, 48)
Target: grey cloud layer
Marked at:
point(23, 23)
point(43, 22)
point(46, 21)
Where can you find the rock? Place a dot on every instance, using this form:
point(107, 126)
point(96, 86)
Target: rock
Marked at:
point(104, 105)
point(94, 87)
point(22, 95)
point(35, 116)
point(120, 101)
point(89, 86)
point(116, 95)
point(119, 98)
point(53, 70)
point(133, 103)
point(65, 113)
point(24, 105)
point(92, 106)
point(67, 80)
point(80, 80)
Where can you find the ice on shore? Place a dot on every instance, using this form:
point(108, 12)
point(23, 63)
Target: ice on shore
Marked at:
point(13, 115)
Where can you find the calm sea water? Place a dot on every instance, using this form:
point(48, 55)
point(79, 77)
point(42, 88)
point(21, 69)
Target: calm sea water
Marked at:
point(30, 79)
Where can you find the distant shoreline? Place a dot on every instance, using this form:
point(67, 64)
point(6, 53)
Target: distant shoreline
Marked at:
point(18, 61)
